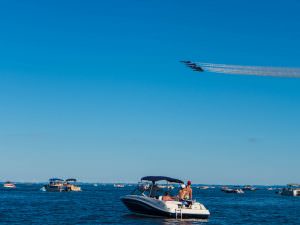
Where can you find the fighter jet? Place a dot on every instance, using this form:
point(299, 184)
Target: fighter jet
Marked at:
point(192, 65)
point(198, 69)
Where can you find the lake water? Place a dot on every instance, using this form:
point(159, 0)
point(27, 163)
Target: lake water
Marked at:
point(101, 205)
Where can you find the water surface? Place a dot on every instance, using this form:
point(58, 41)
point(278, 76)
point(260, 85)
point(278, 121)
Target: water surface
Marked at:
point(101, 205)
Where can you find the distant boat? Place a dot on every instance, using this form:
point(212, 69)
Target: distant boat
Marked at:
point(70, 185)
point(248, 188)
point(95, 185)
point(203, 187)
point(119, 185)
point(60, 185)
point(231, 190)
point(9, 184)
point(55, 185)
point(166, 186)
point(291, 190)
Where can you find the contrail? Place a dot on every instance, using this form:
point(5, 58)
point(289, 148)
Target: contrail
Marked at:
point(244, 70)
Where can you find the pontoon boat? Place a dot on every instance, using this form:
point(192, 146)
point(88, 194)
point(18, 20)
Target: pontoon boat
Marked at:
point(59, 185)
point(71, 186)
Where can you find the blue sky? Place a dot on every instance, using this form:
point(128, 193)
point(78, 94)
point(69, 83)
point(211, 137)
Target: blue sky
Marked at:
point(94, 90)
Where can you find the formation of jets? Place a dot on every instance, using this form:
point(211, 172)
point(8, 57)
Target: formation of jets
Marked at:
point(243, 70)
point(193, 66)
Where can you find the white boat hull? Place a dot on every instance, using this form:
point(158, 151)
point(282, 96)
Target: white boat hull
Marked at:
point(153, 207)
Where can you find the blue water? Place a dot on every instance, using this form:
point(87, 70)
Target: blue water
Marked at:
point(101, 205)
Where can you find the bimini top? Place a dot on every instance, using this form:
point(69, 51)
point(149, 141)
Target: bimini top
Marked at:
point(55, 179)
point(71, 179)
point(159, 178)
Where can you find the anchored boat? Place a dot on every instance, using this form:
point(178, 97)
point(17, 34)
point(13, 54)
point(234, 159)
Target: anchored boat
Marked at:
point(60, 185)
point(150, 200)
point(55, 185)
point(232, 190)
point(248, 188)
point(71, 185)
point(119, 185)
point(291, 190)
point(9, 184)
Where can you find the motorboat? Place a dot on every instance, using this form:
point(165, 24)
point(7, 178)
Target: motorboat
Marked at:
point(166, 186)
point(119, 185)
point(291, 190)
point(70, 185)
point(9, 184)
point(203, 187)
point(248, 188)
point(232, 190)
point(60, 185)
point(150, 200)
point(55, 185)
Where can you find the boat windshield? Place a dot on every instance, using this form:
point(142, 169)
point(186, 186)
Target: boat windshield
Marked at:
point(154, 190)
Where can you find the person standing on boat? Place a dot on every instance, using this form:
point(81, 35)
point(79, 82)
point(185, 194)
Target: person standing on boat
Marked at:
point(189, 190)
point(184, 196)
point(182, 192)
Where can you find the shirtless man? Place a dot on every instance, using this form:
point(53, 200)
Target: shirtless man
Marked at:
point(183, 192)
point(189, 190)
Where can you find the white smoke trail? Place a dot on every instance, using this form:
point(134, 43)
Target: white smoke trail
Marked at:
point(250, 70)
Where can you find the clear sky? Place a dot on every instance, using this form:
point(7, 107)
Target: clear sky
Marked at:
point(94, 90)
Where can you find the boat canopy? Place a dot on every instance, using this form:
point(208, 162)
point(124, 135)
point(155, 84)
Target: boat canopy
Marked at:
point(71, 179)
point(159, 178)
point(55, 179)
